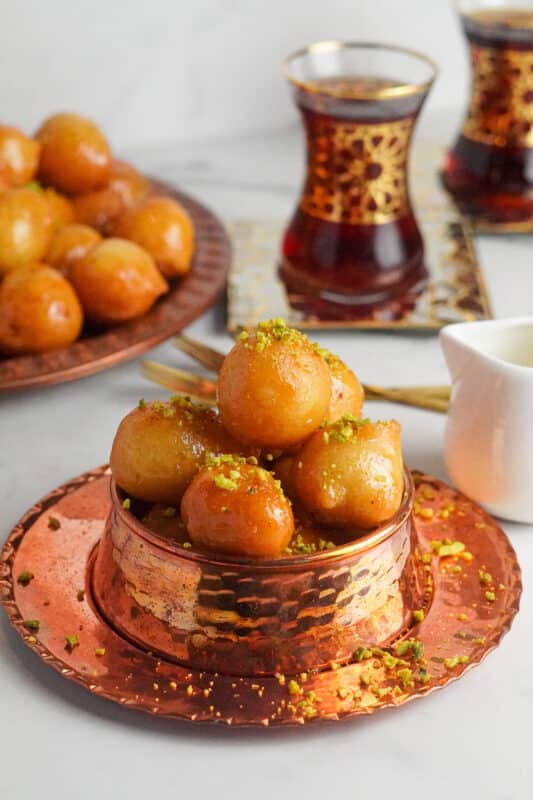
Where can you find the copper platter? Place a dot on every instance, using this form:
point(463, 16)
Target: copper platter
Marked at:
point(186, 301)
point(54, 613)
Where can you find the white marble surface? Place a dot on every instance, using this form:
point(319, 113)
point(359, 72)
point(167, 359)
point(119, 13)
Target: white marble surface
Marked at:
point(470, 741)
point(174, 69)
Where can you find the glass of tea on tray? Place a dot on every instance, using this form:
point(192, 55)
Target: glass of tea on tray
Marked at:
point(489, 171)
point(353, 239)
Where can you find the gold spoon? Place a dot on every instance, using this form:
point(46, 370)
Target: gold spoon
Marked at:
point(433, 398)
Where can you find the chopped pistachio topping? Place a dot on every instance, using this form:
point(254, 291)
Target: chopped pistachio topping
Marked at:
point(491, 597)
point(451, 663)
point(142, 403)
point(485, 577)
point(402, 648)
point(450, 549)
point(72, 641)
point(406, 677)
point(227, 458)
point(126, 504)
point(189, 690)
point(222, 482)
point(294, 687)
point(53, 523)
point(25, 577)
point(417, 650)
point(32, 624)
point(299, 545)
point(418, 615)
point(100, 651)
point(362, 653)
point(170, 512)
point(389, 662)
point(344, 428)
point(270, 331)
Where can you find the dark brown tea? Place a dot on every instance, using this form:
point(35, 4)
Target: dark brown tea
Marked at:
point(490, 169)
point(353, 238)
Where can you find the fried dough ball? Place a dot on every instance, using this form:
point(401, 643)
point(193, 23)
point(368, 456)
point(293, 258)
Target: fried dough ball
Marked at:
point(39, 311)
point(164, 228)
point(273, 387)
point(102, 208)
point(351, 473)
point(116, 281)
point(70, 244)
point(128, 183)
point(99, 209)
point(60, 209)
point(19, 157)
point(238, 508)
point(347, 395)
point(159, 448)
point(75, 155)
point(283, 471)
point(24, 228)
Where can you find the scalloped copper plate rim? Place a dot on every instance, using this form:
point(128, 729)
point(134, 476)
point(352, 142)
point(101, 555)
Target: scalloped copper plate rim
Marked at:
point(460, 622)
point(186, 301)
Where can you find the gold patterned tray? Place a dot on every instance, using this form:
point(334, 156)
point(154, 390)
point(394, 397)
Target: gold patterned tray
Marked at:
point(455, 292)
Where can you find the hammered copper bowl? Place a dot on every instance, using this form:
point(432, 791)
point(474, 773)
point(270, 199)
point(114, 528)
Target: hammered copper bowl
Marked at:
point(243, 617)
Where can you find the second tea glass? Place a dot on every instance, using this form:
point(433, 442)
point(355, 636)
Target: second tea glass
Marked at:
point(489, 170)
point(353, 238)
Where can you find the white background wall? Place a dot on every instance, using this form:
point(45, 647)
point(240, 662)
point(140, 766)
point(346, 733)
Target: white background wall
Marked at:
point(156, 71)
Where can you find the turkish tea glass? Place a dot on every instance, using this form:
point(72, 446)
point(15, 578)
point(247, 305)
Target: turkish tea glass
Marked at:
point(353, 238)
point(489, 170)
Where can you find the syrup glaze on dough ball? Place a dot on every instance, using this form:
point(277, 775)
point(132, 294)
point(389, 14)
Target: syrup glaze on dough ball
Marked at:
point(39, 311)
point(19, 156)
point(102, 208)
point(274, 388)
point(24, 228)
point(128, 183)
point(60, 210)
point(236, 507)
point(98, 209)
point(350, 474)
point(75, 156)
point(347, 395)
point(70, 244)
point(164, 228)
point(116, 281)
point(159, 447)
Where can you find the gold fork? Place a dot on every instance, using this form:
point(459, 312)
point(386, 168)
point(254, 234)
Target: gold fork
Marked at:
point(433, 398)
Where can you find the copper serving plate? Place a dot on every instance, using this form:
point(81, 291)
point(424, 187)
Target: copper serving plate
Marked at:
point(469, 601)
point(187, 300)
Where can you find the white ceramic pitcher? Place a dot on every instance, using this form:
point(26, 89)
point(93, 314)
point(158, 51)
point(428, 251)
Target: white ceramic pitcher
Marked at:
point(489, 432)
